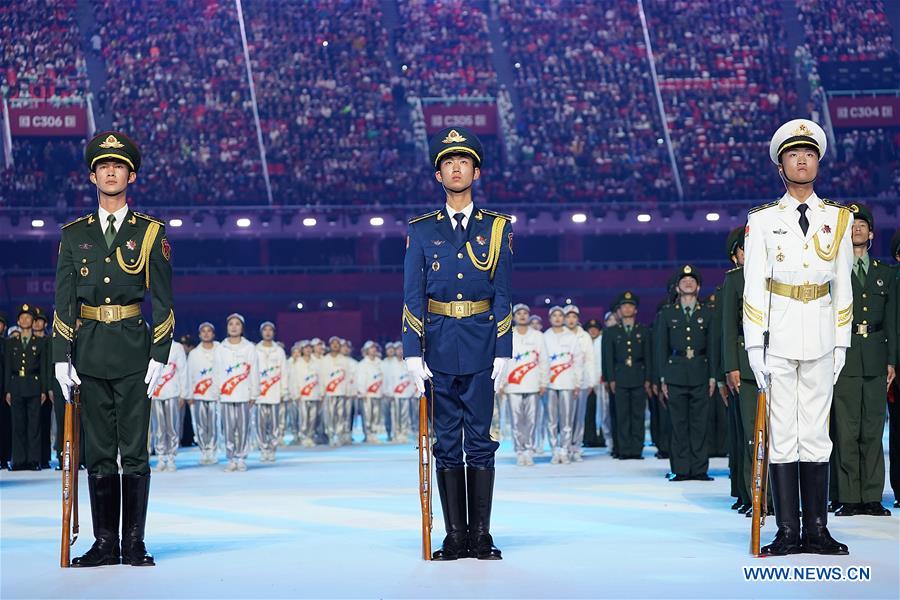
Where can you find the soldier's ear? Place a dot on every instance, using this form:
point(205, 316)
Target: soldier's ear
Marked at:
point(93, 178)
point(477, 173)
point(132, 176)
point(437, 176)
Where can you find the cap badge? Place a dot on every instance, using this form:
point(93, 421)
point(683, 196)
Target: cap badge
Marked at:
point(453, 138)
point(802, 129)
point(687, 270)
point(628, 295)
point(111, 142)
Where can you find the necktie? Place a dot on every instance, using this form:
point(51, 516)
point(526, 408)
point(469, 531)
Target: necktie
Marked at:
point(687, 312)
point(459, 232)
point(861, 271)
point(628, 329)
point(804, 222)
point(110, 233)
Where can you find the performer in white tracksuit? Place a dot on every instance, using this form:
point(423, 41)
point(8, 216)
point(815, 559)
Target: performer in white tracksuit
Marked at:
point(566, 364)
point(798, 261)
point(541, 430)
point(293, 415)
point(238, 377)
point(305, 385)
point(588, 381)
point(524, 382)
point(336, 378)
point(370, 387)
point(272, 389)
point(397, 392)
point(204, 392)
point(168, 406)
point(353, 402)
point(406, 394)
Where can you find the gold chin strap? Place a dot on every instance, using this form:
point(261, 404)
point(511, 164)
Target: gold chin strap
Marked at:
point(843, 220)
point(144, 257)
point(493, 257)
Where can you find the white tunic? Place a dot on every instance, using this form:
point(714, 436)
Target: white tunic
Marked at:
point(238, 372)
point(173, 381)
point(565, 359)
point(201, 370)
point(775, 246)
point(272, 380)
point(529, 369)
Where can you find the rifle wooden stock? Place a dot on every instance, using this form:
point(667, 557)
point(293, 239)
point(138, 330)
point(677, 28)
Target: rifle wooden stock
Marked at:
point(71, 458)
point(759, 477)
point(425, 476)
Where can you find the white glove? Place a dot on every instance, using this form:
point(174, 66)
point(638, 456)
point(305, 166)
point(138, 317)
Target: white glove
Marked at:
point(67, 377)
point(758, 365)
point(840, 358)
point(418, 370)
point(499, 367)
point(154, 369)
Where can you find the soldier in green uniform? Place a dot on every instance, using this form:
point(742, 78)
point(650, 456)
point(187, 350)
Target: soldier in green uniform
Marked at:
point(39, 330)
point(858, 412)
point(5, 425)
point(26, 389)
point(107, 260)
point(663, 422)
point(738, 375)
point(686, 376)
point(627, 356)
point(894, 391)
point(717, 434)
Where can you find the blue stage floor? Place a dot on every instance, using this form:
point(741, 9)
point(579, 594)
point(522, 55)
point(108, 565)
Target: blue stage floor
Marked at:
point(345, 524)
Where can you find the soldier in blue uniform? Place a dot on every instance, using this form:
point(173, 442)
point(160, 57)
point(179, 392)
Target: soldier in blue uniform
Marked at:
point(457, 320)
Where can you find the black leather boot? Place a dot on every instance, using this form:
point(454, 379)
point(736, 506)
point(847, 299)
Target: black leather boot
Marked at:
point(814, 494)
point(481, 494)
point(785, 483)
point(105, 496)
point(452, 489)
point(135, 492)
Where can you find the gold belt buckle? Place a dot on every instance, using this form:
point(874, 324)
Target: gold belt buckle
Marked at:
point(461, 308)
point(862, 328)
point(109, 314)
point(628, 361)
point(689, 352)
point(807, 292)
point(21, 372)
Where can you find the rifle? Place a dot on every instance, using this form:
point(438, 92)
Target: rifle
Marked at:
point(71, 459)
point(760, 470)
point(425, 474)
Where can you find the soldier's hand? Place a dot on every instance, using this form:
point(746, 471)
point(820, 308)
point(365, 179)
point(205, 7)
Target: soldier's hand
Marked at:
point(655, 389)
point(154, 369)
point(8, 399)
point(712, 387)
point(647, 389)
point(499, 367)
point(758, 365)
point(43, 398)
point(664, 388)
point(840, 357)
point(419, 372)
point(612, 387)
point(891, 373)
point(723, 392)
point(67, 377)
point(734, 380)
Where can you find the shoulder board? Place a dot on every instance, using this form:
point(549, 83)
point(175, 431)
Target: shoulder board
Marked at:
point(147, 217)
point(762, 206)
point(78, 220)
point(423, 217)
point(738, 268)
point(496, 214)
point(833, 203)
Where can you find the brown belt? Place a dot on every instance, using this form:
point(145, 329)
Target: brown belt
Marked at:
point(458, 308)
point(110, 313)
point(803, 293)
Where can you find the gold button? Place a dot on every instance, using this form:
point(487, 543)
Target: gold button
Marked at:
point(865, 335)
point(865, 323)
point(106, 280)
point(688, 328)
point(84, 260)
point(865, 309)
point(805, 265)
point(405, 330)
point(106, 259)
point(459, 296)
point(688, 338)
point(806, 246)
point(628, 342)
point(435, 255)
point(459, 255)
point(490, 317)
point(107, 300)
point(459, 275)
point(864, 295)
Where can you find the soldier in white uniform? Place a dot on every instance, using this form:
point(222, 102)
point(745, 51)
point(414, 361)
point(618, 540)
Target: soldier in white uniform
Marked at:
point(272, 391)
point(238, 379)
point(524, 382)
point(204, 392)
point(168, 406)
point(798, 261)
point(589, 378)
point(566, 364)
point(370, 387)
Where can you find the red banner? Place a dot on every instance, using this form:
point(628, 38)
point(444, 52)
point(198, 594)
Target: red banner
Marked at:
point(864, 111)
point(49, 121)
point(480, 118)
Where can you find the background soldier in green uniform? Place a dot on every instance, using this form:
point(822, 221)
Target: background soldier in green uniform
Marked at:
point(894, 391)
point(717, 435)
point(686, 376)
point(26, 390)
point(107, 260)
point(626, 367)
point(40, 331)
point(5, 426)
point(859, 407)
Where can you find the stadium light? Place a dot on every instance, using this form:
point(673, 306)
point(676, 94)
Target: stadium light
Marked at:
point(325, 43)
point(243, 222)
point(518, 65)
point(309, 222)
point(36, 223)
point(175, 222)
point(404, 68)
point(299, 306)
point(579, 218)
point(643, 218)
point(713, 216)
point(376, 221)
point(329, 304)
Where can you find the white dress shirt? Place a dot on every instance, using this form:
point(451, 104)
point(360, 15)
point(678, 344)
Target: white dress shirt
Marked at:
point(467, 212)
point(103, 214)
